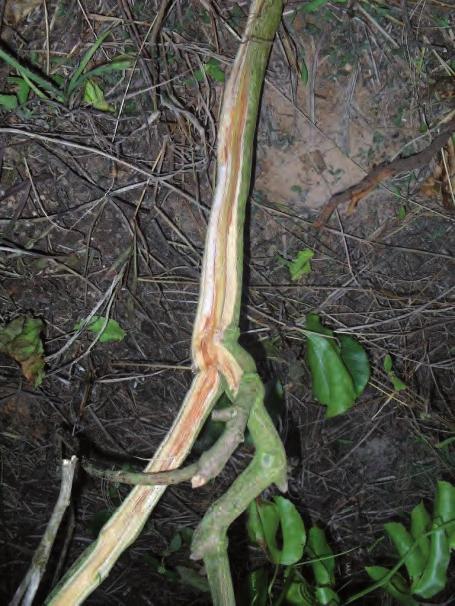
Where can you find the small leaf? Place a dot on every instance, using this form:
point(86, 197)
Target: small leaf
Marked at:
point(74, 81)
point(397, 383)
point(94, 95)
point(213, 69)
point(22, 88)
point(303, 72)
point(20, 339)
point(313, 6)
point(9, 102)
point(356, 360)
point(111, 332)
point(396, 587)
point(301, 264)
point(317, 547)
point(401, 214)
point(388, 363)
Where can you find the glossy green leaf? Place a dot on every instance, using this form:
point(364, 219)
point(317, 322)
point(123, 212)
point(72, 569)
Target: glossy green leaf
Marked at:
point(74, 81)
point(397, 383)
point(332, 384)
point(356, 360)
point(420, 524)
point(292, 530)
point(301, 264)
point(258, 584)
point(403, 542)
point(434, 577)
point(444, 509)
point(317, 547)
point(20, 339)
point(327, 596)
point(110, 333)
point(9, 102)
point(396, 587)
point(94, 95)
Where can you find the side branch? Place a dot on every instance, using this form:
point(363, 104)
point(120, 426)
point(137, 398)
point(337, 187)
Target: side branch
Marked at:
point(380, 173)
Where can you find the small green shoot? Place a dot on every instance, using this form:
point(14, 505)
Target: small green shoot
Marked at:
point(397, 383)
point(110, 330)
point(20, 339)
point(213, 69)
point(301, 264)
point(94, 95)
point(31, 80)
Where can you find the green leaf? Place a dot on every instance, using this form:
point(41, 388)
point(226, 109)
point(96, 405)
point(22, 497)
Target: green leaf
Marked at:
point(326, 596)
point(74, 81)
point(420, 524)
point(22, 88)
point(111, 332)
point(20, 339)
point(356, 360)
point(292, 530)
point(32, 78)
point(258, 585)
point(401, 213)
point(313, 6)
point(396, 587)
point(94, 95)
point(213, 69)
point(444, 509)
point(332, 384)
point(397, 383)
point(301, 264)
point(403, 541)
point(264, 519)
point(317, 547)
point(434, 577)
point(120, 63)
point(300, 593)
point(262, 525)
point(9, 102)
